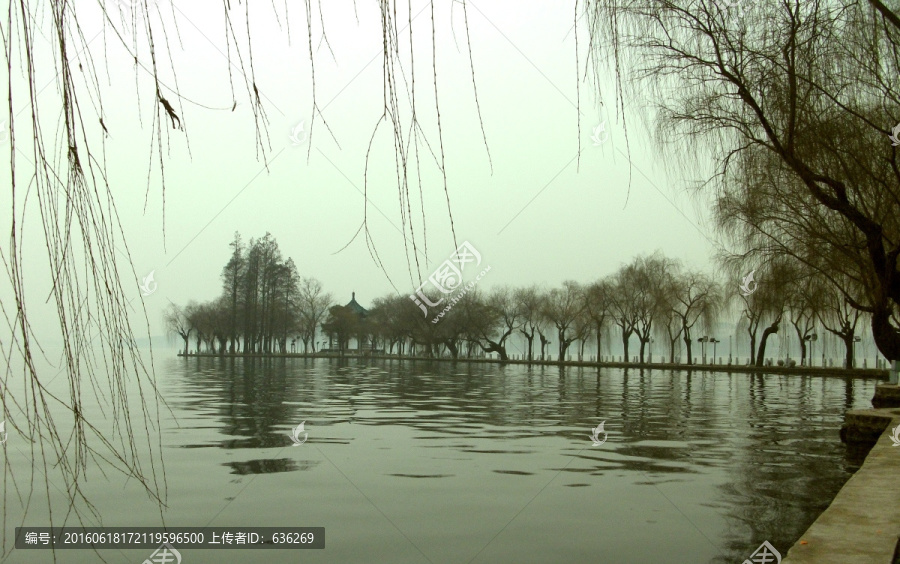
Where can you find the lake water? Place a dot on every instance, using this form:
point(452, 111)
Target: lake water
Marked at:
point(456, 462)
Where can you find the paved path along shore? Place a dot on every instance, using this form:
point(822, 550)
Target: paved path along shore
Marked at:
point(808, 370)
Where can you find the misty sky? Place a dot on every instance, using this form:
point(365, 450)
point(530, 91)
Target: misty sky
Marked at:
point(537, 218)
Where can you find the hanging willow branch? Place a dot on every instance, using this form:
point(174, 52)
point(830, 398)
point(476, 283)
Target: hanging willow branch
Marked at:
point(58, 173)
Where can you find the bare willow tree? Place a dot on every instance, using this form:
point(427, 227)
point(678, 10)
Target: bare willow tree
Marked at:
point(561, 309)
point(765, 307)
point(503, 314)
point(696, 297)
point(177, 323)
point(803, 92)
point(597, 307)
point(624, 302)
point(313, 305)
point(648, 278)
point(840, 319)
point(669, 325)
point(805, 302)
point(529, 304)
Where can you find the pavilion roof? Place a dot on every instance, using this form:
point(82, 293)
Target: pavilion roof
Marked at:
point(354, 306)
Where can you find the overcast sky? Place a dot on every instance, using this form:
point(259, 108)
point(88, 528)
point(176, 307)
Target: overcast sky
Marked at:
point(537, 218)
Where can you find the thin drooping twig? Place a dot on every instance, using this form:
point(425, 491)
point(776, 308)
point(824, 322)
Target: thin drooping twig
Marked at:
point(69, 189)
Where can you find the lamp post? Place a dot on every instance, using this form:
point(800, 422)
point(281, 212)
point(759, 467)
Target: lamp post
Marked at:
point(853, 352)
point(729, 350)
point(714, 341)
point(811, 339)
point(703, 340)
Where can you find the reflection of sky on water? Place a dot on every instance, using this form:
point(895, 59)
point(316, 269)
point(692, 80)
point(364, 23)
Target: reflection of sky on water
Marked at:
point(740, 458)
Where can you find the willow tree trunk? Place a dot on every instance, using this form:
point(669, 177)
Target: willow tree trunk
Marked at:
point(770, 330)
point(529, 338)
point(687, 346)
point(886, 336)
point(452, 347)
point(848, 344)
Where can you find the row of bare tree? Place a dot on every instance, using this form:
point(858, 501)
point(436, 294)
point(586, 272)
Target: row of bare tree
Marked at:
point(265, 302)
point(650, 296)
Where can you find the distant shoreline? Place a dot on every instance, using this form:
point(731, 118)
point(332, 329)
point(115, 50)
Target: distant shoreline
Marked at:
point(804, 370)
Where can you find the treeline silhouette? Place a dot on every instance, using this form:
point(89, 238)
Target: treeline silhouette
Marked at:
point(265, 305)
